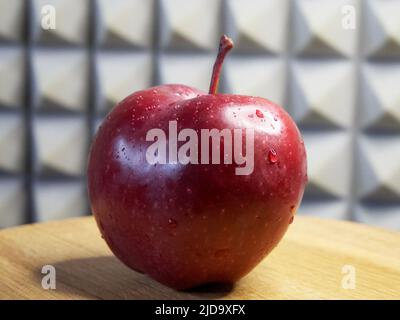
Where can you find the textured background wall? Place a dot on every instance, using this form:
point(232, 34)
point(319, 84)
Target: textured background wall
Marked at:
point(341, 86)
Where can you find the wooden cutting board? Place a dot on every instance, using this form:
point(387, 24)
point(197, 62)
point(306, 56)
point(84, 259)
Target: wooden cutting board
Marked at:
point(317, 259)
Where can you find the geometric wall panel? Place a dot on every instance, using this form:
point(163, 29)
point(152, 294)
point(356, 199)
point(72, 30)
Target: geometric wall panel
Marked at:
point(126, 23)
point(318, 28)
point(12, 202)
point(382, 28)
point(336, 209)
point(11, 19)
point(190, 24)
point(267, 74)
point(379, 215)
point(12, 78)
point(11, 143)
point(378, 168)
point(61, 145)
point(333, 103)
point(174, 69)
point(329, 160)
point(134, 72)
point(380, 96)
point(261, 26)
point(72, 21)
point(61, 86)
point(341, 85)
point(60, 200)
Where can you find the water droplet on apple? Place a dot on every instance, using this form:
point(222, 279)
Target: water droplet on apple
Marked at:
point(291, 219)
point(172, 223)
point(189, 191)
point(275, 118)
point(259, 114)
point(272, 156)
point(251, 115)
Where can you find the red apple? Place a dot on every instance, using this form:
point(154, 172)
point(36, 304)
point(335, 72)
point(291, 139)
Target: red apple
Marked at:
point(187, 224)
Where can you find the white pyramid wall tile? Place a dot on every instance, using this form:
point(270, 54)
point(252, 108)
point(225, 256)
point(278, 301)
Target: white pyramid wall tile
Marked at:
point(319, 30)
point(380, 105)
point(329, 160)
point(72, 22)
point(12, 19)
point(61, 86)
point(61, 145)
point(190, 24)
point(386, 216)
point(323, 93)
point(261, 26)
point(263, 77)
point(60, 200)
point(378, 167)
point(337, 209)
point(12, 196)
point(382, 28)
point(12, 77)
point(11, 143)
point(126, 22)
point(189, 70)
point(134, 72)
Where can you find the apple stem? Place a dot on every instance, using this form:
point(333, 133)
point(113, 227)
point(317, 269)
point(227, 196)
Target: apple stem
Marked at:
point(225, 45)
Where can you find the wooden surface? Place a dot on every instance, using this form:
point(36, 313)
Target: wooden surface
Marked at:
point(307, 264)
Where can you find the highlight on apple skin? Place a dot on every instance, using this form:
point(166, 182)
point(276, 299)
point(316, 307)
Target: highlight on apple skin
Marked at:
point(192, 218)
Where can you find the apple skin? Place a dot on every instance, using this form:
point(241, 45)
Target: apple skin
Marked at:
point(188, 225)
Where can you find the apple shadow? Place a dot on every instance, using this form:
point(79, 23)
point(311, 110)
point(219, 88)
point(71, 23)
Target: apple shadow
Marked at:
point(105, 277)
